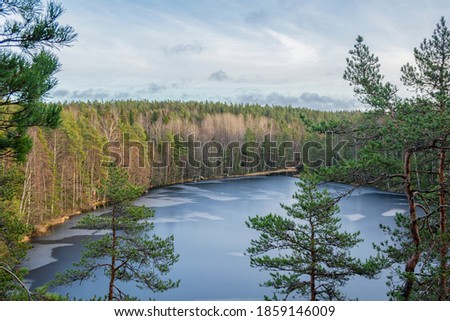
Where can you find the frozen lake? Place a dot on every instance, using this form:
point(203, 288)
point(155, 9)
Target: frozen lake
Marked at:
point(207, 220)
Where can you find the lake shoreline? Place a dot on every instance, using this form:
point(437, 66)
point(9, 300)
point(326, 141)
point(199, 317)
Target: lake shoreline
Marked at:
point(45, 228)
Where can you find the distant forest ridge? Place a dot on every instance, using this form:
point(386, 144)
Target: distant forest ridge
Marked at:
point(64, 169)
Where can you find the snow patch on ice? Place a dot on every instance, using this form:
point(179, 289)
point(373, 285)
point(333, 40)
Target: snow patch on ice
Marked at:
point(354, 217)
point(158, 201)
point(41, 255)
point(393, 211)
point(189, 217)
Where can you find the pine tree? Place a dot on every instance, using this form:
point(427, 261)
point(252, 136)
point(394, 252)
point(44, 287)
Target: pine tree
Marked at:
point(431, 79)
point(307, 253)
point(404, 146)
point(28, 31)
point(128, 253)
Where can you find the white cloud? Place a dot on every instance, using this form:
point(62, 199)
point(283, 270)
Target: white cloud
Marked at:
point(293, 51)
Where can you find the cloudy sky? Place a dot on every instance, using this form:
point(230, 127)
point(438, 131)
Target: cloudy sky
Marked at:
point(284, 52)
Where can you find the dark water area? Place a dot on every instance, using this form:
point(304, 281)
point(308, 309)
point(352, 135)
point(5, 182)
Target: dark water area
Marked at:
point(207, 220)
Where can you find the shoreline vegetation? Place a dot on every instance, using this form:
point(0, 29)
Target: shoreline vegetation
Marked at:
point(45, 228)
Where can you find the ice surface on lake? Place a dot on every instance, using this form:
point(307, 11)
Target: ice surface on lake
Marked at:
point(41, 255)
point(71, 233)
point(163, 201)
point(237, 254)
point(167, 220)
point(261, 194)
point(354, 217)
point(197, 191)
point(220, 197)
point(211, 237)
point(189, 217)
point(202, 215)
point(393, 211)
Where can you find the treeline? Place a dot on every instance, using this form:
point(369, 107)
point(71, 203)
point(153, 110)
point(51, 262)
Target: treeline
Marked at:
point(159, 143)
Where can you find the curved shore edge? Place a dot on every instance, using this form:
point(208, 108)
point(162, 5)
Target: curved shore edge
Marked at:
point(43, 229)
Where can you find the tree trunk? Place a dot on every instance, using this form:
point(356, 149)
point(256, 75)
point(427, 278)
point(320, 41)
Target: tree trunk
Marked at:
point(313, 265)
point(313, 286)
point(61, 193)
point(74, 185)
point(54, 174)
point(443, 291)
point(414, 229)
point(25, 192)
point(113, 257)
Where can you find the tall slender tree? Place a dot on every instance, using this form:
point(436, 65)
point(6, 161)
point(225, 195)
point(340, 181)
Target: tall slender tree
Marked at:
point(128, 253)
